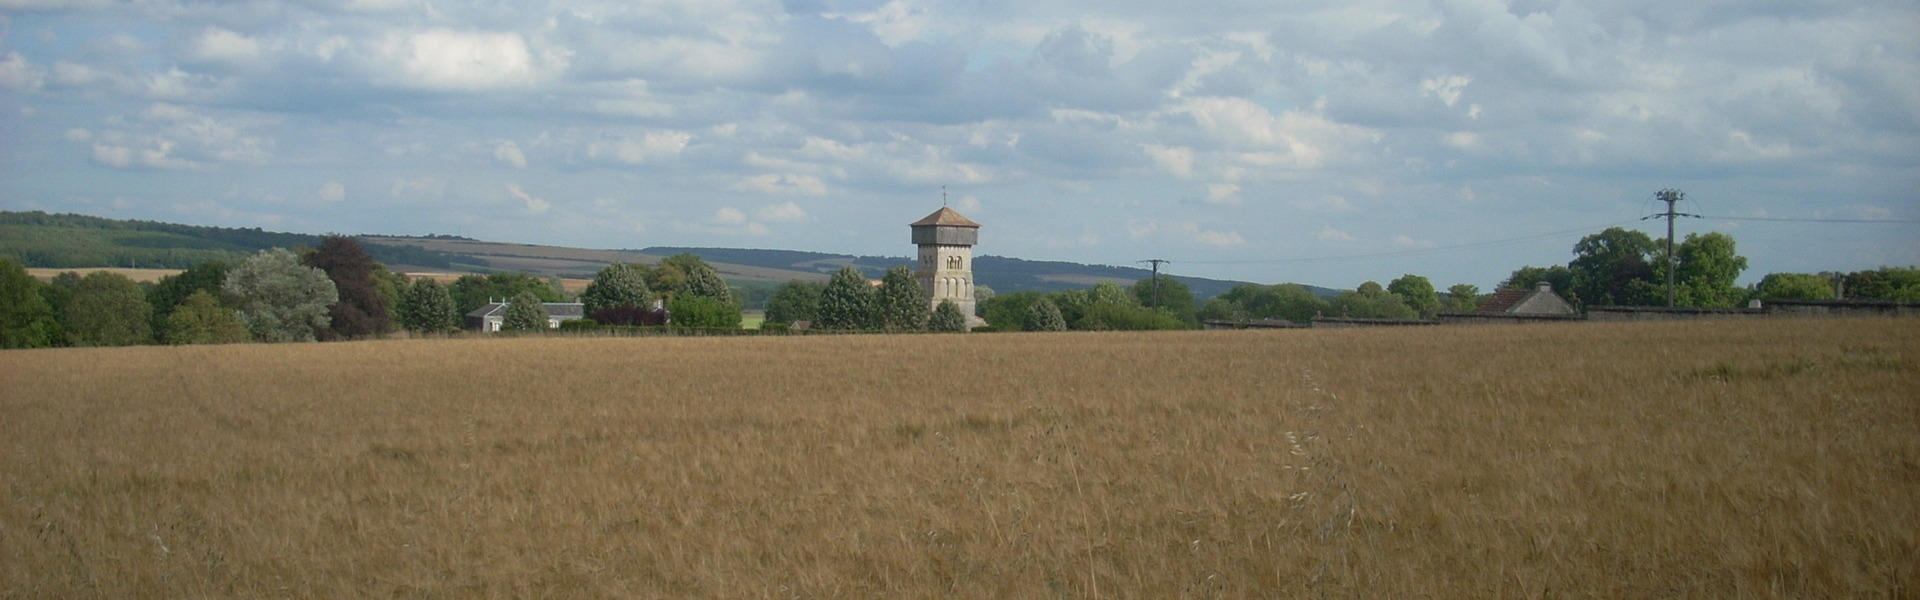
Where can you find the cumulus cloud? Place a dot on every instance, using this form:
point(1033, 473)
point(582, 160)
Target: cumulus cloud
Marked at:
point(782, 183)
point(533, 205)
point(508, 153)
point(171, 137)
point(651, 147)
point(784, 212)
point(19, 75)
point(1329, 234)
point(1223, 193)
point(1124, 119)
point(444, 59)
point(332, 191)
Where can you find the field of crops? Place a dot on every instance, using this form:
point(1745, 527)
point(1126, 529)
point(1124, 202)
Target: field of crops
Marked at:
point(1775, 459)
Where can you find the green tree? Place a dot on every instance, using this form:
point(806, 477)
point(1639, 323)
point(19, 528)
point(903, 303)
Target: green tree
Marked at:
point(1167, 295)
point(1247, 301)
point(26, 318)
point(1222, 309)
point(471, 292)
point(1008, 312)
point(1112, 316)
point(1417, 293)
point(200, 319)
point(795, 301)
point(525, 312)
point(174, 289)
point(360, 310)
point(1072, 304)
point(1370, 301)
point(59, 293)
point(1884, 283)
point(1794, 286)
point(427, 307)
point(701, 278)
point(702, 312)
point(1526, 278)
point(618, 285)
point(279, 299)
point(1043, 315)
point(902, 304)
point(947, 318)
point(1463, 297)
point(1708, 266)
point(108, 309)
point(847, 302)
point(1612, 268)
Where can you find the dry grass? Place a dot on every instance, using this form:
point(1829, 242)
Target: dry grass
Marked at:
point(1760, 459)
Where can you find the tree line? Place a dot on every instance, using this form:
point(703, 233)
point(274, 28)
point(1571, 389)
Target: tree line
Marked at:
point(333, 291)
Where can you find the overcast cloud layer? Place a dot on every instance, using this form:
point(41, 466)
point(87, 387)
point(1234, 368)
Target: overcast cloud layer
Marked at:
point(1240, 139)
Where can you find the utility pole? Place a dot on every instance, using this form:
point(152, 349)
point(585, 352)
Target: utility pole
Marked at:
point(1156, 280)
point(1671, 196)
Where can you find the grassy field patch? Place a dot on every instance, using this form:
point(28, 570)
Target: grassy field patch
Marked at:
point(1765, 459)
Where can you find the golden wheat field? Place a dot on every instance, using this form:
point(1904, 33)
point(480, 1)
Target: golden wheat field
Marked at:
point(1775, 459)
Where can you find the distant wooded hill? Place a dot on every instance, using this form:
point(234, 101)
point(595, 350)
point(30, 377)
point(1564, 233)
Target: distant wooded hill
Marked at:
point(62, 241)
point(1003, 274)
point(38, 239)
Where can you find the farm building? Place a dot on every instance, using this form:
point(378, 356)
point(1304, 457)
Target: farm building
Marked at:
point(488, 317)
point(1538, 301)
point(1539, 304)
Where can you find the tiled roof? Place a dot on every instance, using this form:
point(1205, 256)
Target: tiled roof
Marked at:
point(554, 309)
point(945, 217)
point(1502, 301)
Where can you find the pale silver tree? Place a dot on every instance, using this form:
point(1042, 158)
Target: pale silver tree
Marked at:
point(280, 299)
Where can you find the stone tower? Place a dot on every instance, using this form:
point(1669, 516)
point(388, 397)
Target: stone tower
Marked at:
point(946, 242)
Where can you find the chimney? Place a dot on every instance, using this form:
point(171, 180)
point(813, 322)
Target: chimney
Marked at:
point(1543, 287)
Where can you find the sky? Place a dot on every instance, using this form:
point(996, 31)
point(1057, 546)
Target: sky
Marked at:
point(1327, 142)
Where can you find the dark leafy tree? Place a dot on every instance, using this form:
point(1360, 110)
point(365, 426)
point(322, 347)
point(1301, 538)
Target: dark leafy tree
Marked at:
point(108, 309)
point(26, 318)
point(525, 312)
point(947, 318)
point(617, 285)
point(631, 316)
point(174, 289)
point(1612, 268)
point(200, 319)
point(361, 310)
point(427, 307)
point(1043, 315)
point(795, 301)
point(847, 302)
point(280, 299)
point(1885, 283)
point(901, 302)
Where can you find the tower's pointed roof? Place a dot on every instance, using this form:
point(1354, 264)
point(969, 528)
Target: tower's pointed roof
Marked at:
point(945, 217)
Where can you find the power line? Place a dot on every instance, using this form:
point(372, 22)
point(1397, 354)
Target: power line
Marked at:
point(1415, 251)
point(1516, 240)
point(1795, 220)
